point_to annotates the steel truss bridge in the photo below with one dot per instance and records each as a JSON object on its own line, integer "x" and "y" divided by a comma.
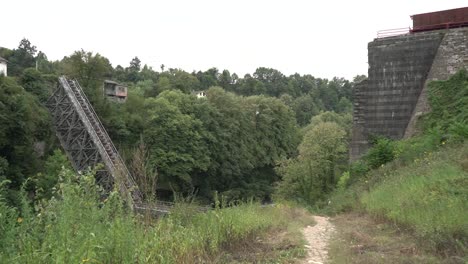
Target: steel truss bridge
{"x": 86, "y": 142}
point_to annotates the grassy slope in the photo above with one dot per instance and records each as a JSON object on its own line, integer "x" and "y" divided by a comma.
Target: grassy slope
{"x": 426, "y": 197}
{"x": 429, "y": 196}
{"x": 425, "y": 189}
{"x": 363, "y": 239}
{"x": 78, "y": 227}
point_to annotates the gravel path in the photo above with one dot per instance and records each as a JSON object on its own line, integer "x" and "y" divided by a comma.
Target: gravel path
{"x": 317, "y": 237}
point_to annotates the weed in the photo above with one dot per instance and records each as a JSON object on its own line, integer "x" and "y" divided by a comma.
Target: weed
{"x": 76, "y": 226}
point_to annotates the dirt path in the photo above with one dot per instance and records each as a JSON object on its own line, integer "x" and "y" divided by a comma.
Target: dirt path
{"x": 317, "y": 237}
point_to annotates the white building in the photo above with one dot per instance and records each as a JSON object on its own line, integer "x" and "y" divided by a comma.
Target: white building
{"x": 199, "y": 94}
{"x": 3, "y": 66}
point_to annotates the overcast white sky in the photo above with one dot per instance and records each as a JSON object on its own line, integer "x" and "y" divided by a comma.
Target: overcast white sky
{"x": 324, "y": 38}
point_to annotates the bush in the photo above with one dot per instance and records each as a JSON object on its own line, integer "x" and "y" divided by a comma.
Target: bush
{"x": 343, "y": 181}
{"x": 382, "y": 151}
{"x": 458, "y": 132}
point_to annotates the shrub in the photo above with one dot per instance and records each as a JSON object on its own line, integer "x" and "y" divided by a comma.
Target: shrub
{"x": 382, "y": 151}
{"x": 343, "y": 181}
{"x": 458, "y": 132}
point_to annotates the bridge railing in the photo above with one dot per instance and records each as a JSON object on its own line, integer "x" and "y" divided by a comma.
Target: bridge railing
{"x": 392, "y": 32}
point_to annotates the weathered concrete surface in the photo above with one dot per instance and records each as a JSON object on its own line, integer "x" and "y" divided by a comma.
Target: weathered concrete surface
{"x": 394, "y": 96}
{"x": 451, "y": 56}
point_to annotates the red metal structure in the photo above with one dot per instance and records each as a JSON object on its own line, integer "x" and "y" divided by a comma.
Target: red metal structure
{"x": 452, "y": 18}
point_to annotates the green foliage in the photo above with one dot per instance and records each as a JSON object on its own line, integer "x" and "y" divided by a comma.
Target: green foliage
{"x": 424, "y": 188}
{"x": 449, "y": 101}
{"x": 23, "y": 122}
{"x": 344, "y": 120}
{"x": 429, "y": 196}
{"x": 458, "y": 131}
{"x": 90, "y": 70}
{"x": 35, "y": 83}
{"x": 226, "y": 142}
{"x": 312, "y": 175}
{"x": 8, "y": 218}
{"x": 305, "y": 108}
{"x": 343, "y": 181}
{"x": 174, "y": 140}
{"x": 382, "y": 151}
{"x": 46, "y": 180}
{"x": 21, "y": 58}
{"x": 344, "y": 106}
{"x": 76, "y": 227}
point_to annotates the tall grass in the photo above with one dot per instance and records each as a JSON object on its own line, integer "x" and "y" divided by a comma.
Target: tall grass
{"x": 76, "y": 226}
{"x": 426, "y": 192}
{"x": 429, "y": 196}
{"x": 424, "y": 187}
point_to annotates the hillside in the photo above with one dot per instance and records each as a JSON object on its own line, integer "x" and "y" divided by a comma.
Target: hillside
{"x": 418, "y": 185}
{"x": 255, "y": 150}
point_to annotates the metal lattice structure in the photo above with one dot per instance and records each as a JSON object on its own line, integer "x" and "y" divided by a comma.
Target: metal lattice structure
{"x": 85, "y": 140}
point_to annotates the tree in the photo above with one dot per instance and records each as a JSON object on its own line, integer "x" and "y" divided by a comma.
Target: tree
{"x": 208, "y": 78}
{"x": 90, "y": 70}
{"x": 225, "y": 80}
{"x": 21, "y": 58}
{"x": 183, "y": 81}
{"x": 134, "y": 70}
{"x": 305, "y": 108}
{"x": 312, "y": 174}
{"x": 44, "y": 65}
{"x": 135, "y": 64}
{"x": 344, "y": 106}
{"x": 344, "y": 120}
{"x": 33, "y": 82}
{"x": 359, "y": 78}
{"x": 26, "y": 46}
{"x": 274, "y": 81}
{"x": 174, "y": 141}
{"x": 23, "y": 122}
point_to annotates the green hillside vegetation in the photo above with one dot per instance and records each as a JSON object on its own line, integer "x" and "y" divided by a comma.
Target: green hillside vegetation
{"x": 76, "y": 226}
{"x": 261, "y": 138}
{"x": 419, "y": 184}
{"x": 229, "y": 142}
{"x": 227, "y": 145}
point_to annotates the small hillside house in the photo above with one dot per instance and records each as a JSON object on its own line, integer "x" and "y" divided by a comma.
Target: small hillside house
{"x": 114, "y": 91}
{"x": 199, "y": 94}
{"x": 3, "y": 66}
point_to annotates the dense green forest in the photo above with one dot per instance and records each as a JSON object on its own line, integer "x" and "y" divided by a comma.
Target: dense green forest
{"x": 235, "y": 142}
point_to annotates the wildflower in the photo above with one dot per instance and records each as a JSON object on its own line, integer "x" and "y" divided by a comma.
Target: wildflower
{"x": 19, "y": 220}
{"x": 443, "y": 142}
{"x": 85, "y": 260}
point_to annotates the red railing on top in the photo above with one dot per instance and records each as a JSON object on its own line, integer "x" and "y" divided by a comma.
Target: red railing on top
{"x": 439, "y": 26}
